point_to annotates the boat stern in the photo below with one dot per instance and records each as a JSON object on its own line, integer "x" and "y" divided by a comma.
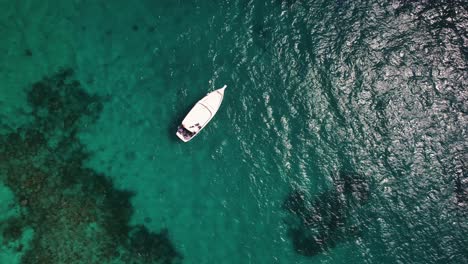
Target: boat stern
{"x": 179, "y": 135}
{"x": 184, "y": 134}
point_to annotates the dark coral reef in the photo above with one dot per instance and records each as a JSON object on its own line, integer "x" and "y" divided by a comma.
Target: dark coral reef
{"x": 317, "y": 224}
{"x": 76, "y": 213}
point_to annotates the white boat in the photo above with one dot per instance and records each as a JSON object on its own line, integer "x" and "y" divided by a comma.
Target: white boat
{"x": 200, "y": 115}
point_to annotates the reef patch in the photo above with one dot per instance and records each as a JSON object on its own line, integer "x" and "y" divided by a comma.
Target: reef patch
{"x": 77, "y": 214}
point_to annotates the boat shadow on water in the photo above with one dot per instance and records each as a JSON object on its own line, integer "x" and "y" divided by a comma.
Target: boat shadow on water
{"x": 318, "y": 224}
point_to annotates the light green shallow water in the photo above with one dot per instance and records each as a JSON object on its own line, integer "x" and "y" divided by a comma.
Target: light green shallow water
{"x": 341, "y": 138}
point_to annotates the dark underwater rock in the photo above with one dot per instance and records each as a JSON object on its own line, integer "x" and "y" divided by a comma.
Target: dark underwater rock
{"x": 317, "y": 224}
{"x": 28, "y": 53}
{"x": 77, "y": 214}
{"x": 152, "y": 247}
{"x": 11, "y": 229}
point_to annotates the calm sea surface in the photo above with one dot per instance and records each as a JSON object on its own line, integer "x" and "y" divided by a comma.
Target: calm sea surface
{"x": 342, "y": 137}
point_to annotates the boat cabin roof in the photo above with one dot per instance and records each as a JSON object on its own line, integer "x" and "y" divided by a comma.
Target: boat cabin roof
{"x": 197, "y": 118}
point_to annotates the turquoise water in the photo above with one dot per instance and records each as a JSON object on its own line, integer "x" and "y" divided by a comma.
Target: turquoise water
{"x": 341, "y": 138}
